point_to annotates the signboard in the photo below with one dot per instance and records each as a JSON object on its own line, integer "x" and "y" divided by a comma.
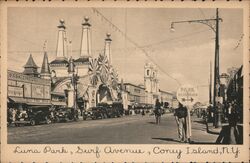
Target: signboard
{"x": 16, "y": 76}
{"x": 12, "y": 82}
{"x": 187, "y": 95}
{"x": 27, "y": 90}
{"x": 219, "y": 99}
{"x": 47, "y": 92}
{"x": 15, "y": 91}
{"x": 37, "y": 91}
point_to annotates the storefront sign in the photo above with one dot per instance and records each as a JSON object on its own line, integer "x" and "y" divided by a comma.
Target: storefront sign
{"x": 47, "y": 92}
{"x": 20, "y": 85}
{"x": 27, "y": 90}
{"x": 15, "y": 91}
{"x": 37, "y": 91}
{"x": 12, "y": 83}
{"x": 16, "y": 76}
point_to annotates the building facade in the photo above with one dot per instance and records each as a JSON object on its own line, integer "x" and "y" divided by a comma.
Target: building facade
{"x": 27, "y": 90}
{"x": 84, "y": 81}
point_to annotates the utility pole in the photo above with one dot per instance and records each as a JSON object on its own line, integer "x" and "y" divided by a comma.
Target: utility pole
{"x": 216, "y": 85}
{"x": 210, "y": 83}
{"x": 217, "y": 73}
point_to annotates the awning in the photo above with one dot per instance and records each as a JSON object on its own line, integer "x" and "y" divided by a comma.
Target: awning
{"x": 38, "y": 104}
{"x": 58, "y": 93}
{"x": 21, "y": 100}
{"x": 16, "y": 100}
{"x": 61, "y": 103}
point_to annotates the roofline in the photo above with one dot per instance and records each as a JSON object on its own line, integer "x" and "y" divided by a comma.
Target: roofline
{"x": 165, "y": 92}
{"x": 133, "y": 85}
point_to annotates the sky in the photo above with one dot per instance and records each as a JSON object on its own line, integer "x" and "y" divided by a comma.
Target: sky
{"x": 184, "y": 55}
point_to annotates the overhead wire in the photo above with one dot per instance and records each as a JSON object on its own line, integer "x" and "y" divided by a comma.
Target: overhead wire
{"x": 135, "y": 44}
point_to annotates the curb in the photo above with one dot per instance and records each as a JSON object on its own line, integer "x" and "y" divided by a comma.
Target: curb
{"x": 212, "y": 130}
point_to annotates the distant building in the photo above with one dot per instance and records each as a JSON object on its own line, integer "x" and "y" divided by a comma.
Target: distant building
{"x": 166, "y": 98}
{"x": 151, "y": 83}
{"x": 135, "y": 95}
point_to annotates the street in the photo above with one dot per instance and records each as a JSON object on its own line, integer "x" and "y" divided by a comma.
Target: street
{"x": 135, "y": 129}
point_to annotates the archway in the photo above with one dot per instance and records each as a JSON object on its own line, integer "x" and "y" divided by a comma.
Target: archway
{"x": 103, "y": 95}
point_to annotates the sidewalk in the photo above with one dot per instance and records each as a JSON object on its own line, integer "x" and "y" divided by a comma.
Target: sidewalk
{"x": 200, "y": 134}
{"x": 211, "y": 129}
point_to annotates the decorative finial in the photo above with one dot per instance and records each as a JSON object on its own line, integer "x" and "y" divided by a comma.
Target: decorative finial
{"x": 85, "y": 22}
{"x": 108, "y": 35}
{"x": 86, "y": 18}
{"x": 61, "y": 21}
{"x": 61, "y": 25}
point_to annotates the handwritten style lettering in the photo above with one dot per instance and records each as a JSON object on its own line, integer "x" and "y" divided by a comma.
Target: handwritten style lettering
{"x": 49, "y": 149}
{"x": 111, "y": 150}
{"x": 18, "y": 149}
{"x": 95, "y": 151}
{"x": 158, "y": 150}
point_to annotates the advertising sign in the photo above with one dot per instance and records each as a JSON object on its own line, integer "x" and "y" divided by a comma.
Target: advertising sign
{"x": 187, "y": 95}
{"x": 47, "y": 92}
{"x": 37, "y": 91}
{"x": 15, "y": 91}
{"x": 27, "y": 90}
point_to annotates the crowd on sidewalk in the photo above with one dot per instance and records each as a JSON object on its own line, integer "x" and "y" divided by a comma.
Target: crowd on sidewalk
{"x": 230, "y": 131}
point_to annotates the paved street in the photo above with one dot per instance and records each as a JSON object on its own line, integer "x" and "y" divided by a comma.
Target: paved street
{"x": 125, "y": 130}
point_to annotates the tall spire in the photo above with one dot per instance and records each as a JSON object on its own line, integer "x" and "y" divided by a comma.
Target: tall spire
{"x": 45, "y": 69}
{"x": 61, "y": 51}
{"x": 30, "y": 68}
{"x": 107, "y": 50}
{"x": 85, "y": 50}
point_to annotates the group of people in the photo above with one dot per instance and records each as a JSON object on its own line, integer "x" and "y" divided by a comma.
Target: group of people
{"x": 230, "y": 134}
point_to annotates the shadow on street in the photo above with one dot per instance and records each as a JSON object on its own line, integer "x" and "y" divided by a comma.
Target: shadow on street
{"x": 151, "y": 122}
{"x": 167, "y": 139}
{"x": 193, "y": 142}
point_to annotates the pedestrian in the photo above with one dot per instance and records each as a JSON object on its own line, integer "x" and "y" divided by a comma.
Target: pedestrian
{"x": 230, "y": 134}
{"x": 157, "y": 111}
{"x": 143, "y": 112}
{"x": 9, "y": 116}
{"x": 181, "y": 120}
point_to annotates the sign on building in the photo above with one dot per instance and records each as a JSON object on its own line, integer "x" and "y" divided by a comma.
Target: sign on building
{"x": 30, "y": 89}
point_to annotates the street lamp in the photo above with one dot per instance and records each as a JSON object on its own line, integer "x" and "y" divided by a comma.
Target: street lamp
{"x": 74, "y": 81}
{"x": 172, "y": 27}
{"x": 215, "y": 28}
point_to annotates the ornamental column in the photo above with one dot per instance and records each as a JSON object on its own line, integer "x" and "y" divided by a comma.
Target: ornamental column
{"x": 107, "y": 50}
{"x": 61, "y": 51}
{"x": 85, "y": 49}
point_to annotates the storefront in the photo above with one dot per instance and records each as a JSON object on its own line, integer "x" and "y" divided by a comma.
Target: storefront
{"x": 27, "y": 92}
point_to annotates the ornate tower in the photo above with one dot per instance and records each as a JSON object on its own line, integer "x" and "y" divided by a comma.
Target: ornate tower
{"x": 157, "y": 81}
{"x": 45, "y": 69}
{"x": 107, "y": 50}
{"x": 147, "y": 77}
{"x": 61, "y": 51}
{"x": 59, "y": 65}
{"x": 85, "y": 50}
{"x": 30, "y": 68}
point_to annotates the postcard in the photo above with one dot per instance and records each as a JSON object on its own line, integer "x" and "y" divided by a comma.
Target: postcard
{"x": 124, "y": 81}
